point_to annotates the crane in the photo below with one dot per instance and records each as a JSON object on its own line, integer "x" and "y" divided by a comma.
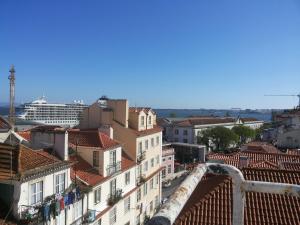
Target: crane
{"x": 298, "y": 95}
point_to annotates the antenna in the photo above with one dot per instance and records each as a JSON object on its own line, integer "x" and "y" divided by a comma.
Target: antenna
{"x": 298, "y": 95}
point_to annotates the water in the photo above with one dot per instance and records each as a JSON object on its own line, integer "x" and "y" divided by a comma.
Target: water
{"x": 264, "y": 116}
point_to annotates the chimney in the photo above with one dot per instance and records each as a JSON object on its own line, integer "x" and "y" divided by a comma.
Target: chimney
{"x": 61, "y": 144}
{"x": 244, "y": 161}
{"x": 108, "y": 130}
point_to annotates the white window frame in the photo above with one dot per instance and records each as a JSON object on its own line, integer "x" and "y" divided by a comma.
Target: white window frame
{"x": 96, "y": 155}
{"x": 146, "y": 144}
{"x": 97, "y": 196}
{"x": 60, "y": 184}
{"x": 127, "y": 205}
{"x": 113, "y": 216}
{"x": 127, "y": 178}
{"x": 37, "y": 195}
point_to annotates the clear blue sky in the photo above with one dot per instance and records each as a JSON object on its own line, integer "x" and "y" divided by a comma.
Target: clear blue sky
{"x": 159, "y": 53}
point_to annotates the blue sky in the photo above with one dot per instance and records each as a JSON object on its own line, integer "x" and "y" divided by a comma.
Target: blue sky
{"x": 159, "y": 53}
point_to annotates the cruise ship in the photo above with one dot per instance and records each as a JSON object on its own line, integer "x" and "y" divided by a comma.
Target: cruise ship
{"x": 42, "y": 112}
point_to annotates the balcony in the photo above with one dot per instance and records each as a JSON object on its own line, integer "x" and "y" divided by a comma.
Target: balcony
{"x": 114, "y": 197}
{"x": 140, "y": 180}
{"x": 141, "y": 156}
{"x": 113, "y": 168}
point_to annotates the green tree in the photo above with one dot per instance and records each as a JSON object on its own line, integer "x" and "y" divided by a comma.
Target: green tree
{"x": 244, "y": 133}
{"x": 223, "y": 137}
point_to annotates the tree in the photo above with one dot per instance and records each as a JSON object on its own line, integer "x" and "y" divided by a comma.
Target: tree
{"x": 221, "y": 137}
{"x": 244, "y": 133}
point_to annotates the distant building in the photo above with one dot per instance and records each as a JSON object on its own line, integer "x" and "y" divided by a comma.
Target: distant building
{"x": 168, "y": 158}
{"x": 187, "y": 130}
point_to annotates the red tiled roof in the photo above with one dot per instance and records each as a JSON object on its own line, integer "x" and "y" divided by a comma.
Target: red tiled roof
{"x": 25, "y": 134}
{"x": 204, "y": 121}
{"x": 89, "y": 175}
{"x": 261, "y": 147}
{"x": 254, "y": 158}
{"x": 4, "y": 125}
{"x": 290, "y": 166}
{"x": 24, "y": 160}
{"x": 211, "y": 201}
{"x": 141, "y": 133}
{"x": 293, "y": 152}
{"x": 264, "y": 164}
{"x": 91, "y": 138}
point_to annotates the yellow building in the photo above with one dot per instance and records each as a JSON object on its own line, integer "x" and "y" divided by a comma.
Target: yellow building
{"x": 136, "y": 129}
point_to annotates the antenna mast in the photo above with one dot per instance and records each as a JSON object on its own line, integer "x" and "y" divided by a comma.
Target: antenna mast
{"x": 11, "y": 78}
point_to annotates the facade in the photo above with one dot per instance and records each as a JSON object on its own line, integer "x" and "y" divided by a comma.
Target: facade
{"x": 35, "y": 181}
{"x": 141, "y": 139}
{"x": 41, "y": 112}
{"x": 168, "y": 158}
{"x": 186, "y": 130}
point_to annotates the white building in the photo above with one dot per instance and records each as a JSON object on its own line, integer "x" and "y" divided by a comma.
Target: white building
{"x": 186, "y": 130}
{"x": 33, "y": 182}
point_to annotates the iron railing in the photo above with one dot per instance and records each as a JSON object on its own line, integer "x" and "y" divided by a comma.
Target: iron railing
{"x": 113, "y": 168}
{"x": 141, "y": 156}
{"x": 113, "y": 198}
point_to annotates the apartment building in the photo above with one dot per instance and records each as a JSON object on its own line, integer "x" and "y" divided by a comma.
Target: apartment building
{"x": 141, "y": 139}
{"x": 168, "y": 158}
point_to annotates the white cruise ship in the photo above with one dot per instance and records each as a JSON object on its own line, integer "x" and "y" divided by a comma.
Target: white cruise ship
{"x": 66, "y": 115}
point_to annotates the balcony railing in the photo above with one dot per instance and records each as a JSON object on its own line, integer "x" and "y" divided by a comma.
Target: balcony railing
{"x": 113, "y": 168}
{"x": 141, "y": 156}
{"x": 113, "y": 198}
{"x": 140, "y": 180}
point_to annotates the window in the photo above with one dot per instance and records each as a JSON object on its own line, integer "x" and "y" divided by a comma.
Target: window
{"x": 163, "y": 173}
{"x": 157, "y": 178}
{"x": 170, "y": 158}
{"x": 185, "y": 132}
{"x": 145, "y": 188}
{"x": 127, "y": 178}
{"x": 95, "y": 159}
{"x": 146, "y": 166}
{"x": 112, "y": 157}
{"x": 36, "y": 192}
{"x": 113, "y": 216}
{"x": 152, "y": 162}
{"x": 151, "y": 206}
{"x": 113, "y": 186}
{"x": 164, "y": 159}
{"x": 146, "y": 144}
{"x": 175, "y": 139}
{"x": 77, "y": 210}
{"x": 157, "y": 159}
{"x": 151, "y": 184}
{"x": 142, "y": 120}
{"x": 157, "y": 140}
{"x": 169, "y": 168}
{"x": 138, "y": 195}
{"x": 97, "y": 195}
{"x": 150, "y": 120}
{"x": 185, "y": 140}
{"x": 60, "y": 183}
{"x": 152, "y": 142}
{"x": 60, "y": 219}
{"x": 176, "y": 131}
{"x": 156, "y": 201}
{"x": 127, "y": 205}
{"x": 140, "y": 147}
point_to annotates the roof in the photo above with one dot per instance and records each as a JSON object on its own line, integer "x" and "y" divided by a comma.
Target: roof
{"x": 46, "y": 128}
{"x": 4, "y": 124}
{"x": 19, "y": 161}
{"x": 211, "y": 201}
{"x": 91, "y": 138}
{"x": 146, "y": 132}
{"x": 26, "y": 134}
{"x": 89, "y": 175}
{"x": 245, "y": 120}
{"x": 256, "y": 159}
{"x": 194, "y": 121}
{"x": 139, "y": 109}
{"x": 261, "y": 147}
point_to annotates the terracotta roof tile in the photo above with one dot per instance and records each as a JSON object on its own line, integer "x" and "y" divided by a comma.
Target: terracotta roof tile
{"x": 211, "y": 201}
{"x": 154, "y": 130}
{"x": 25, "y": 134}
{"x": 261, "y": 147}
{"x": 91, "y": 138}
{"x": 139, "y": 109}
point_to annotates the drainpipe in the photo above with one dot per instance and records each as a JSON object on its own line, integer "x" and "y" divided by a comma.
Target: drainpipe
{"x": 172, "y": 208}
